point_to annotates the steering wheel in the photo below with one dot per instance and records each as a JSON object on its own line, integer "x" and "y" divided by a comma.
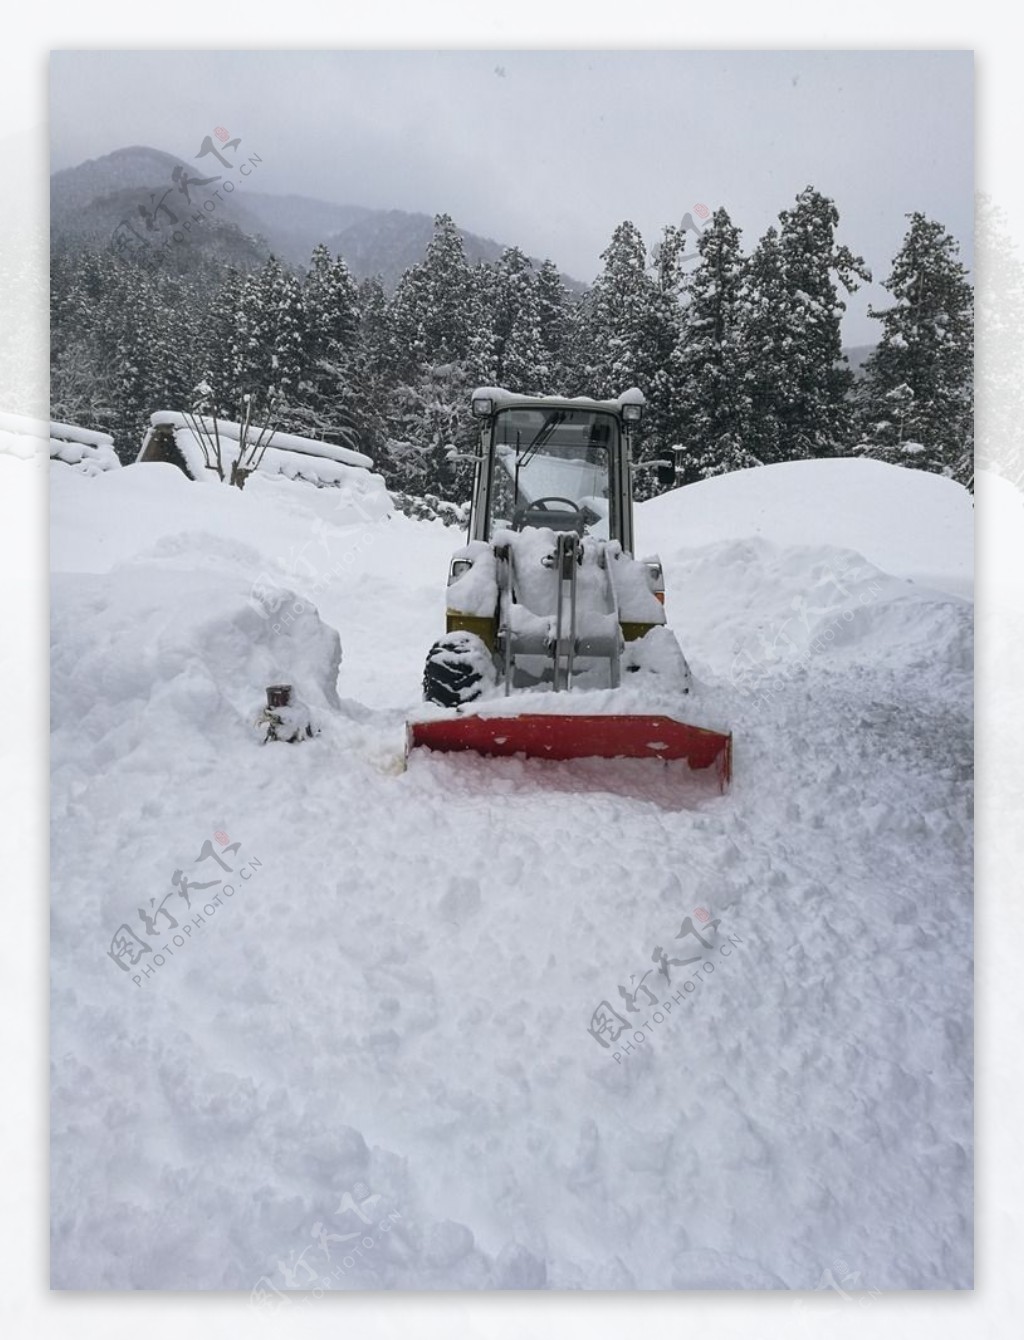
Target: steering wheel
{"x": 533, "y": 512}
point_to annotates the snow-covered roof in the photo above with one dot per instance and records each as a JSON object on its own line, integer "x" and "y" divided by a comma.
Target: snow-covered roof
{"x": 279, "y": 441}
{"x": 287, "y": 454}
{"x": 89, "y": 451}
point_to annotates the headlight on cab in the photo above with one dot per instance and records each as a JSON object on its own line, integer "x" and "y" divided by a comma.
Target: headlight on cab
{"x": 459, "y": 566}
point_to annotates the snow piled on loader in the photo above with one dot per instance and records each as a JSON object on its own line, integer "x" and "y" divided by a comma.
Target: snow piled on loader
{"x": 378, "y": 1060}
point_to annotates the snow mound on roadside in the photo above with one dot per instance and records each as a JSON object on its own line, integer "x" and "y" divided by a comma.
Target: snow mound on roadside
{"x": 284, "y": 526}
{"x": 744, "y": 607}
{"x": 909, "y": 523}
{"x": 143, "y": 657}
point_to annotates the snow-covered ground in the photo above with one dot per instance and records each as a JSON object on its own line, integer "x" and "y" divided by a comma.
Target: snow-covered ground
{"x": 373, "y": 1062}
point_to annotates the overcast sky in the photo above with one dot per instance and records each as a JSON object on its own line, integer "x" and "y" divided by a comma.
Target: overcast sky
{"x": 550, "y": 150}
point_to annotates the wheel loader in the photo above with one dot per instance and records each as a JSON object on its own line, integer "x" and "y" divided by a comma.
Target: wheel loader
{"x": 556, "y": 640}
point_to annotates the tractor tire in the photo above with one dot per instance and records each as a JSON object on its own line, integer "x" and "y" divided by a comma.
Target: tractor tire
{"x": 459, "y": 668}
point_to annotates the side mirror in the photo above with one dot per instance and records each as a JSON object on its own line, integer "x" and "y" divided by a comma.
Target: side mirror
{"x": 666, "y": 474}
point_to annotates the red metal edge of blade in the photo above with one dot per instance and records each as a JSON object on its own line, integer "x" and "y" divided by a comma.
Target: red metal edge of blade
{"x": 551, "y": 736}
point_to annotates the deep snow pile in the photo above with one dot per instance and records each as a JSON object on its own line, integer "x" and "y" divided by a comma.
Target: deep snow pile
{"x": 379, "y": 1060}
{"x": 910, "y": 523}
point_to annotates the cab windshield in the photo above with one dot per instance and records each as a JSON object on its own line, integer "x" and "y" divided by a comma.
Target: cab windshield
{"x": 552, "y": 467}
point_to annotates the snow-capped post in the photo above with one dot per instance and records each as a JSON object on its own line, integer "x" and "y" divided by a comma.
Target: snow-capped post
{"x": 285, "y": 719}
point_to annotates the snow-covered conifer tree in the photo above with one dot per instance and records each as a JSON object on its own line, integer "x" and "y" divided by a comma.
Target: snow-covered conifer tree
{"x": 918, "y": 389}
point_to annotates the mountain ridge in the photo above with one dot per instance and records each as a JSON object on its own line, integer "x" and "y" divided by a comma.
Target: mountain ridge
{"x": 88, "y": 202}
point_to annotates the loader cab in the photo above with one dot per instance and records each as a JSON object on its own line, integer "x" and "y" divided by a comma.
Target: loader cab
{"x": 559, "y": 465}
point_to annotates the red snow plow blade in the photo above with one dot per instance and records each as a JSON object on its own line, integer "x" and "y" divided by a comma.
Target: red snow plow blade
{"x": 562, "y": 737}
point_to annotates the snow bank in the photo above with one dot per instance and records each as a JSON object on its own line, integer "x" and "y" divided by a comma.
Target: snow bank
{"x": 139, "y": 504}
{"x": 751, "y": 609}
{"x": 173, "y": 657}
{"x": 388, "y": 1034}
{"x": 336, "y": 548}
{"x": 909, "y": 523}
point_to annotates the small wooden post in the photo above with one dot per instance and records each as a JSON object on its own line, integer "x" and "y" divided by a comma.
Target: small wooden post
{"x": 279, "y": 695}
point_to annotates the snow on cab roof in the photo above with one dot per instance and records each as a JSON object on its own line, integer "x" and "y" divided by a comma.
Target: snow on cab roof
{"x": 505, "y": 399}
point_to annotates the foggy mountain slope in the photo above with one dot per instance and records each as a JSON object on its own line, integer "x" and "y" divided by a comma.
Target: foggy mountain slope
{"x": 389, "y": 242}
{"x": 87, "y": 202}
{"x": 296, "y": 223}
